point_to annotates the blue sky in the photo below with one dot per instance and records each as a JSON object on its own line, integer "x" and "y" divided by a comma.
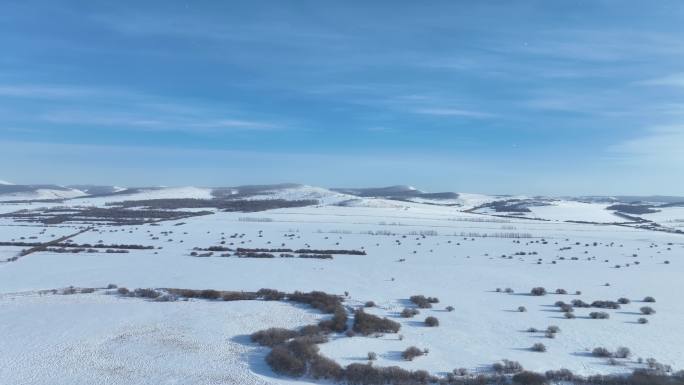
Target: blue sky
{"x": 534, "y": 97}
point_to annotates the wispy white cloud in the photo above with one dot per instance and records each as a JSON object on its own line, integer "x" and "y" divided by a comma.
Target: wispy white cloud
{"x": 42, "y": 91}
{"x": 672, "y": 80}
{"x": 455, "y": 112}
{"x": 123, "y": 108}
{"x": 661, "y": 146}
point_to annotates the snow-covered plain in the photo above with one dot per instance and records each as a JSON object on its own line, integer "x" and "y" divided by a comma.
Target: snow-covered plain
{"x": 458, "y": 258}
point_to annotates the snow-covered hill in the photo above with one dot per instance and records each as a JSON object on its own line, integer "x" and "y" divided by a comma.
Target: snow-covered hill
{"x": 465, "y": 257}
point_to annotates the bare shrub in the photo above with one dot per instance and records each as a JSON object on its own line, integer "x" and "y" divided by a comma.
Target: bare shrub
{"x": 272, "y": 336}
{"x": 539, "y": 347}
{"x": 605, "y": 304}
{"x": 283, "y": 361}
{"x": 372, "y": 356}
{"x": 642, "y": 321}
{"x": 599, "y": 315}
{"x": 560, "y": 375}
{"x": 423, "y": 302}
{"x": 366, "y": 324}
{"x": 538, "y": 291}
{"x": 410, "y": 353}
{"x": 146, "y": 293}
{"x": 623, "y": 301}
{"x": 431, "y": 321}
{"x": 647, "y": 310}
{"x": 529, "y": 378}
{"x": 310, "y": 330}
{"x": 649, "y": 299}
{"x": 450, "y": 308}
{"x": 507, "y": 367}
{"x": 325, "y": 368}
{"x": 270, "y": 295}
{"x": 601, "y": 352}
{"x": 622, "y": 352}
{"x": 409, "y": 312}
{"x": 522, "y": 309}
{"x": 209, "y": 294}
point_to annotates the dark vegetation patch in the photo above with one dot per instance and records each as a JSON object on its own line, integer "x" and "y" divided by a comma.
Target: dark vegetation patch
{"x": 367, "y": 324}
{"x": 423, "y": 302}
{"x": 231, "y": 205}
{"x": 110, "y": 216}
{"x": 633, "y": 209}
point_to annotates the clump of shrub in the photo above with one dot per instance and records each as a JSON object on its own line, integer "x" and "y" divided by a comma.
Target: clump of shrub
{"x": 647, "y": 310}
{"x": 450, "y": 308}
{"x": 538, "y": 291}
{"x": 529, "y": 378}
{"x": 649, "y": 299}
{"x": 601, "y": 352}
{"x": 507, "y": 367}
{"x": 622, "y": 352}
{"x": 123, "y": 291}
{"x": 561, "y": 291}
{"x": 283, "y": 361}
{"x": 146, "y": 293}
{"x": 409, "y": 312}
{"x": 599, "y": 315}
{"x": 605, "y": 304}
{"x": 366, "y": 324}
{"x": 569, "y": 315}
{"x": 539, "y": 347}
{"x": 423, "y": 302}
{"x": 642, "y": 321}
{"x": 431, "y": 321}
{"x": 325, "y": 368}
{"x": 623, "y": 301}
{"x": 579, "y": 303}
{"x": 209, "y": 294}
{"x": 411, "y": 352}
{"x": 270, "y": 294}
{"x": 522, "y": 309}
{"x": 369, "y": 304}
{"x": 273, "y": 336}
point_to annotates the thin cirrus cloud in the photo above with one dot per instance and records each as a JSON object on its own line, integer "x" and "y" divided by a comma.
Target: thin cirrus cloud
{"x": 661, "y": 145}
{"x": 454, "y": 112}
{"x": 108, "y": 107}
{"x": 672, "y": 80}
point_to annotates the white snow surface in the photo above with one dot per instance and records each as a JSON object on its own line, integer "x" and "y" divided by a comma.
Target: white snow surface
{"x": 100, "y": 338}
{"x": 40, "y": 194}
